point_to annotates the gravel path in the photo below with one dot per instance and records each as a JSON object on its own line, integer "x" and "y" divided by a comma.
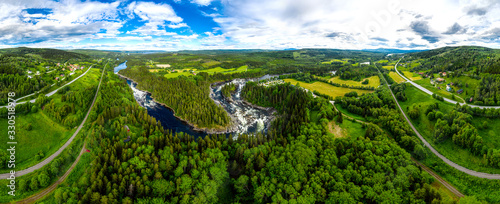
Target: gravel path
{"x": 51, "y": 157}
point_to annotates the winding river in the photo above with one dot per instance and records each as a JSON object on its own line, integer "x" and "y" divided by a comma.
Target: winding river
{"x": 246, "y": 118}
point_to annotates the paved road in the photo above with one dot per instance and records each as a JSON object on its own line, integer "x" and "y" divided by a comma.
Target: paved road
{"x": 447, "y": 161}
{"x": 425, "y": 168}
{"x": 51, "y": 157}
{"x": 51, "y": 93}
{"x": 430, "y": 92}
{"x": 53, "y": 187}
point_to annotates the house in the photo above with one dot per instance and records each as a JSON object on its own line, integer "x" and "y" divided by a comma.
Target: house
{"x": 470, "y": 99}
{"x": 37, "y": 72}
{"x": 444, "y": 73}
{"x": 57, "y": 78}
{"x": 29, "y": 76}
{"x": 460, "y": 91}
{"x": 47, "y": 67}
{"x": 62, "y": 75}
{"x": 29, "y": 72}
{"x": 421, "y": 73}
{"x": 448, "y": 87}
{"x": 365, "y": 63}
{"x": 440, "y": 80}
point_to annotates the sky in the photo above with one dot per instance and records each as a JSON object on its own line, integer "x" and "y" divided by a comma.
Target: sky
{"x": 249, "y": 24}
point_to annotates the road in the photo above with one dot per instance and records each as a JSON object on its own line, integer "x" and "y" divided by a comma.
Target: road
{"x": 51, "y": 157}
{"x": 425, "y": 168}
{"x": 430, "y": 92}
{"x": 51, "y": 93}
{"x": 434, "y": 151}
{"x": 53, "y": 187}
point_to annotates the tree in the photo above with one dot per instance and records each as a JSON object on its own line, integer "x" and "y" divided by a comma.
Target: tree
{"x": 43, "y": 180}
{"x": 34, "y": 183}
{"x": 340, "y": 118}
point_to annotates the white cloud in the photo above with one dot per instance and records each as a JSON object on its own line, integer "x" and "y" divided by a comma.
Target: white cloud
{"x": 202, "y": 2}
{"x": 352, "y": 24}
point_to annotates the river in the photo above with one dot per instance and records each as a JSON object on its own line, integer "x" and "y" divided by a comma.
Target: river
{"x": 246, "y": 118}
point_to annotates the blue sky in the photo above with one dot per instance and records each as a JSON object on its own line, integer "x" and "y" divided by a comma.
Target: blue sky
{"x": 248, "y": 24}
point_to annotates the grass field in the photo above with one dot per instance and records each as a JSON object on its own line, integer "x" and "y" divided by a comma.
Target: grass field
{"x": 395, "y": 76}
{"x": 426, "y": 83}
{"x": 347, "y": 128}
{"x": 187, "y": 71}
{"x": 410, "y": 75}
{"x": 343, "y": 61}
{"x": 447, "y": 148}
{"x": 388, "y": 67}
{"x": 46, "y": 136}
{"x": 374, "y": 81}
{"x": 325, "y": 88}
{"x": 210, "y": 63}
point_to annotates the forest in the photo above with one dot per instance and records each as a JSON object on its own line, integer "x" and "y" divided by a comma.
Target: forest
{"x": 308, "y": 166}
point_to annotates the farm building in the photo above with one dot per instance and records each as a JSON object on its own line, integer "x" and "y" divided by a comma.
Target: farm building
{"x": 460, "y": 91}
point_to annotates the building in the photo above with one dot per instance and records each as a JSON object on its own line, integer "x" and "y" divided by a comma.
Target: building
{"x": 460, "y": 91}
{"x": 440, "y": 80}
{"x": 444, "y": 74}
{"x": 365, "y": 63}
{"x": 448, "y": 87}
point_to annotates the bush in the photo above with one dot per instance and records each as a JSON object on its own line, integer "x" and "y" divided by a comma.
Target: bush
{"x": 366, "y": 81}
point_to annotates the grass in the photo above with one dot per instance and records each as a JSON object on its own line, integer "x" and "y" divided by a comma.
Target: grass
{"x": 374, "y": 81}
{"x": 410, "y": 75}
{"x": 352, "y": 129}
{"x": 447, "y": 148}
{"x": 187, "y": 71}
{"x": 327, "y": 89}
{"x": 395, "y": 76}
{"x": 490, "y": 134}
{"x": 46, "y": 135}
{"x": 388, "y": 67}
{"x": 426, "y": 83}
{"x": 210, "y": 63}
{"x": 343, "y": 61}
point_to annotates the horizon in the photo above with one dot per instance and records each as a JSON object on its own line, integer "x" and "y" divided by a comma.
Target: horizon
{"x": 177, "y": 25}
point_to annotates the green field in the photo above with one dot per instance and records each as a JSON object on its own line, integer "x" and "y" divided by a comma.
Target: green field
{"x": 325, "y": 88}
{"x": 46, "y": 135}
{"x": 395, "y": 76}
{"x": 447, "y": 148}
{"x": 388, "y": 67}
{"x": 343, "y": 61}
{"x": 426, "y": 83}
{"x": 410, "y": 75}
{"x": 374, "y": 81}
{"x": 187, "y": 71}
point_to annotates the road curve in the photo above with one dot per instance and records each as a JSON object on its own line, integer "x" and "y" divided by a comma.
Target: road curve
{"x": 51, "y": 93}
{"x": 434, "y": 151}
{"x": 427, "y": 91}
{"x": 51, "y": 157}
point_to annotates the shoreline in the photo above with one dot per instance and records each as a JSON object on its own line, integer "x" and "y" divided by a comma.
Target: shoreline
{"x": 195, "y": 128}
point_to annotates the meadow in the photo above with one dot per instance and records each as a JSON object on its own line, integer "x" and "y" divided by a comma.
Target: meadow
{"x": 395, "y": 76}
{"x": 374, "y": 81}
{"x": 410, "y": 75}
{"x": 447, "y": 148}
{"x": 187, "y": 71}
{"x": 441, "y": 91}
{"x": 45, "y": 135}
{"x": 325, "y": 88}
